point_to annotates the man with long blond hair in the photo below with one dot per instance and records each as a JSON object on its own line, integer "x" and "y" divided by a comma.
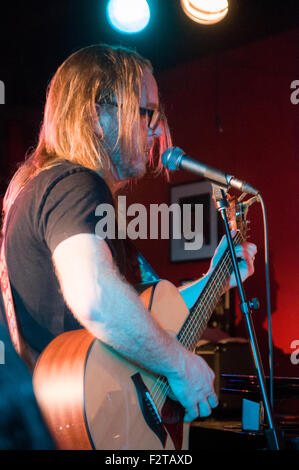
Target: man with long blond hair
{"x": 102, "y": 120}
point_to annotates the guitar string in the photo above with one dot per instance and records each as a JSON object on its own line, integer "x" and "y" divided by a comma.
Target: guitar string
{"x": 222, "y": 265}
{"x": 198, "y": 321}
{"x": 222, "y": 261}
{"x": 217, "y": 281}
{"x": 208, "y": 290}
{"x": 162, "y": 380}
{"x": 190, "y": 328}
{"x": 165, "y": 386}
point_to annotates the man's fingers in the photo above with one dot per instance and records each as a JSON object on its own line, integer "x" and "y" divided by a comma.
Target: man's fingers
{"x": 204, "y": 408}
{"x": 191, "y": 414}
{"x": 246, "y": 250}
{"x": 213, "y": 400}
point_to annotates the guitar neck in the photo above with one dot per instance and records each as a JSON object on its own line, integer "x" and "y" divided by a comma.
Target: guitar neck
{"x": 197, "y": 320}
{"x": 199, "y": 315}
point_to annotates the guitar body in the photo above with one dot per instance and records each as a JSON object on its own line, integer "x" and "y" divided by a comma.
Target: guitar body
{"x": 92, "y": 398}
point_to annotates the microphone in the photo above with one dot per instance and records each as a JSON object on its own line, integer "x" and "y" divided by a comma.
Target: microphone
{"x": 175, "y": 159}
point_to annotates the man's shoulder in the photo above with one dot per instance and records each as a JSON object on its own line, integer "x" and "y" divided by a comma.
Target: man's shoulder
{"x": 53, "y": 184}
{"x": 64, "y": 176}
{"x": 64, "y": 169}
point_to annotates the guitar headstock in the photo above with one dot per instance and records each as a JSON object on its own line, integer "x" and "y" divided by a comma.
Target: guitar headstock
{"x": 237, "y": 214}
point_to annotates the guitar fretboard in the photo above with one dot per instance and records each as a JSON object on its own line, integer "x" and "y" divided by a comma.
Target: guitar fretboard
{"x": 197, "y": 320}
{"x": 200, "y": 314}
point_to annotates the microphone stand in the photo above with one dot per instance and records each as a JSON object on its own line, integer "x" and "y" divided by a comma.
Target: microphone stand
{"x": 273, "y": 436}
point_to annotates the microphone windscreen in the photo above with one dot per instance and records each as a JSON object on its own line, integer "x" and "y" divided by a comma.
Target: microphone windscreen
{"x": 171, "y": 158}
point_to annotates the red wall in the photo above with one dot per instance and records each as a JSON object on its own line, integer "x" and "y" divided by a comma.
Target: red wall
{"x": 249, "y": 90}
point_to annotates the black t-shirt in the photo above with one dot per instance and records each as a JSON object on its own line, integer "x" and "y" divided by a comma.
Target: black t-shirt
{"x": 56, "y": 204}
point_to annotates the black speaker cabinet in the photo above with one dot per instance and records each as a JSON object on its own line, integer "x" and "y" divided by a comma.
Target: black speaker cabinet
{"x": 232, "y": 356}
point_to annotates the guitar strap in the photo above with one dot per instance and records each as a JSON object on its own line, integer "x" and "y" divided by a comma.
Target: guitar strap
{"x": 147, "y": 272}
{"x": 16, "y": 337}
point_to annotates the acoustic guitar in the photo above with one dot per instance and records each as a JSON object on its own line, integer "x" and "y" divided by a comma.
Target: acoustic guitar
{"x": 92, "y": 398}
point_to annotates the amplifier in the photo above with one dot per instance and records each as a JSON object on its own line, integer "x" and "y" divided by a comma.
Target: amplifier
{"x": 230, "y": 356}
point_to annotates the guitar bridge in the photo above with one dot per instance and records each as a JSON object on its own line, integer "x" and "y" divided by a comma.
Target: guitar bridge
{"x": 148, "y": 408}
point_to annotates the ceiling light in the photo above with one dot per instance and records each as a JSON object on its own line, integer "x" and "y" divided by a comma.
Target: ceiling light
{"x": 205, "y": 11}
{"x": 128, "y": 16}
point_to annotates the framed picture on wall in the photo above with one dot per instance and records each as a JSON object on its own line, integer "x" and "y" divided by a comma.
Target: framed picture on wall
{"x": 197, "y": 224}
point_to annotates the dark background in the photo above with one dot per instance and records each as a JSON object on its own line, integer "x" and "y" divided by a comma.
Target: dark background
{"x": 37, "y": 36}
{"x": 226, "y": 89}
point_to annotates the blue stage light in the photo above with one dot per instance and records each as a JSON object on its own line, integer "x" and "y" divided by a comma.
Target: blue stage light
{"x": 128, "y": 16}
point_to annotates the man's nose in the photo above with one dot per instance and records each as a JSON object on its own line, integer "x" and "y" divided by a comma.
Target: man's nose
{"x": 156, "y": 132}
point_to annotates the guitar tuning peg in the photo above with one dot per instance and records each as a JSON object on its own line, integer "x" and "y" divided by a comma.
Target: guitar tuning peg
{"x": 254, "y": 303}
{"x": 240, "y": 198}
{"x": 250, "y": 201}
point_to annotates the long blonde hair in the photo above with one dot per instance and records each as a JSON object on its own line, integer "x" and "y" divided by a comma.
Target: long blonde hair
{"x": 70, "y": 115}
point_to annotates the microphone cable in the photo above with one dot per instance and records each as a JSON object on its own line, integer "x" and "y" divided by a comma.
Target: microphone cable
{"x": 270, "y": 341}
{"x": 259, "y": 199}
